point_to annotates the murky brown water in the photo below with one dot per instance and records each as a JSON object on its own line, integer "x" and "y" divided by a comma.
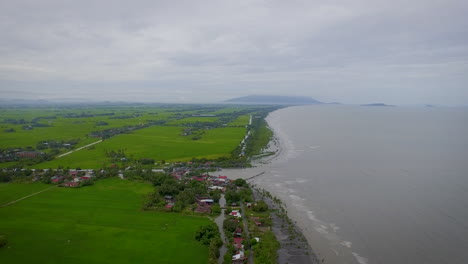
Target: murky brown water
{"x": 373, "y": 184}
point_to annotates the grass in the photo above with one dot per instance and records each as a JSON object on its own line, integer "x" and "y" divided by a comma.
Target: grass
{"x": 96, "y": 224}
{"x": 13, "y": 191}
{"x": 163, "y": 142}
{"x": 159, "y": 143}
{"x": 190, "y": 120}
{"x": 242, "y": 120}
{"x": 261, "y": 136}
{"x": 63, "y": 128}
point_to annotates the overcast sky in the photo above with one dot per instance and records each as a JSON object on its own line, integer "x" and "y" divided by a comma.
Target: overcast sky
{"x": 351, "y": 51}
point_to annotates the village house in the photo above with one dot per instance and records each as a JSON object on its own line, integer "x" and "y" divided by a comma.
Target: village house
{"x": 235, "y": 213}
{"x": 237, "y": 232}
{"x": 56, "y": 179}
{"x": 29, "y": 154}
{"x": 237, "y": 241}
{"x": 217, "y": 188}
{"x": 71, "y": 184}
{"x": 203, "y": 208}
{"x": 168, "y": 198}
{"x": 238, "y": 257}
{"x": 256, "y": 220}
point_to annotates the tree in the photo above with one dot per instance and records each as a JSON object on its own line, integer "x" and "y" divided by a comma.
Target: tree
{"x": 153, "y": 200}
{"x": 3, "y": 241}
{"x": 260, "y": 206}
{"x": 216, "y": 195}
{"x": 215, "y": 209}
{"x": 232, "y": 196}
{"x": 168, "y": 189}
{"x": 267, "y": 250}
{"x": 230, "y": 225}
{"x": 186, "y": 197}
{"x": 206, "y": 233}
{"x": 241, "y": 183}
{"x": 246, "y": 195}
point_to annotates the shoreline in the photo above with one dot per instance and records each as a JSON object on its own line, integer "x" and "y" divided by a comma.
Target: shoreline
{"x": 294, "y": 247}
{"x": 296, "y": 250}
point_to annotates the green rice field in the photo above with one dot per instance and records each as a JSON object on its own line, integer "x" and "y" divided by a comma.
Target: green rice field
{"x": 102, "y": 223}
{"x": 159, "y": 132}
{"x": 158, "y": 142}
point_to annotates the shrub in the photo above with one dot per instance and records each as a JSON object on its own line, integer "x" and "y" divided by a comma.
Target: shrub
{"x": 206, "y": 233}
{"x": 260, "y": 206}
{"x": 216, "y": 209}
{"x": 3, "y": 241}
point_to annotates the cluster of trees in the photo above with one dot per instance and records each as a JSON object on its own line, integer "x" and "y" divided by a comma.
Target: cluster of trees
{"x": 107, "y": 133}
{"x": 267, "y": 250}
{"x": 26, "y": 161}
{"x": 15, "y": 121}
{"x": 260, "y": 206}
{"x": 56, "y": 144}
{"x": 83, "y": 115}
{"x": 184, "y": 192}
{"x": 237, "y": 191}
{"x": 102, "y": 123}
{"x": 3, "y": 241}
{"x": 209, "y": 236}
{"x": 8, "y": 175}
{"x": 116, "y": 155}
{"x": 125, "y": 116}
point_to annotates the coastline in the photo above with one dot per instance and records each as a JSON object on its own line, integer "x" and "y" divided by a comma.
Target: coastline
{"x": 294, "y": 247}
{"x": 266, "y": 174}
{"x": 295, "y": 243}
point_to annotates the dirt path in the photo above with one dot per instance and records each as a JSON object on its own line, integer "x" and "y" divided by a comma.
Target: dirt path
{"x": 4, "y": 205}
{"x": 80, "y": 148}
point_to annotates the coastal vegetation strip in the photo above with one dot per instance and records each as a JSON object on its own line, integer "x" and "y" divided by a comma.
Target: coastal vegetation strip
{"x": 260, "y": 137}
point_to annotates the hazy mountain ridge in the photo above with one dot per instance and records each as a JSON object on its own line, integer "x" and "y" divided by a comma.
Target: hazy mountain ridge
{"x": 273, "y": 99}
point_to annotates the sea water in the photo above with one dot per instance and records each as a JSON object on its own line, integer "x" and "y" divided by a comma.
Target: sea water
{"x": 373, "y": 184}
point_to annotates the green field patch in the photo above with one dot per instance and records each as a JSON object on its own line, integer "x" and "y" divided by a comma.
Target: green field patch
{"x": 13, "y": 191}
{"x": 242, "y": 120}
{"x": 159, "y": 143}
{"x": 98, "y": 224}
{"x": 190, "y": 120}
{"x": 67, "y": 128}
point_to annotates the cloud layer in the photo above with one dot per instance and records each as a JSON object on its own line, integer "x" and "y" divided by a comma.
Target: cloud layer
{"x": 400, "y": 52}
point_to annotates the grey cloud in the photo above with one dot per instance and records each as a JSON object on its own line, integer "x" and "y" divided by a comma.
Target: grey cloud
{"x": 352, "y": 51}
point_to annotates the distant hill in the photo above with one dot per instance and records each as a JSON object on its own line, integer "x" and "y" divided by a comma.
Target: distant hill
{"x": 273, "y": 99}
{"x": 376, "y": 104}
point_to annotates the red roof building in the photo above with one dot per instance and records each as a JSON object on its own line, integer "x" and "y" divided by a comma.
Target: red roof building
{"x": 197, "y": 178}
{"x": 238, "y": 242}
{"x": 71, "y": 184}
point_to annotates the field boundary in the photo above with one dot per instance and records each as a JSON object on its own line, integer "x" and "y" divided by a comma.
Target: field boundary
{"x": 27, "y": 196}
{"x": 80, "y": 148}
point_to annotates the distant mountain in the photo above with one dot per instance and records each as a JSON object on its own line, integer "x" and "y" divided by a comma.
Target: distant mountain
{"x": 273, "y": 99}
{"x": 376, "y": 104}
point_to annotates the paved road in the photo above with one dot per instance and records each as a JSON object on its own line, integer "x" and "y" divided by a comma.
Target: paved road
{"x": 246, "y": 228}
{"x": 219, "y": 221}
